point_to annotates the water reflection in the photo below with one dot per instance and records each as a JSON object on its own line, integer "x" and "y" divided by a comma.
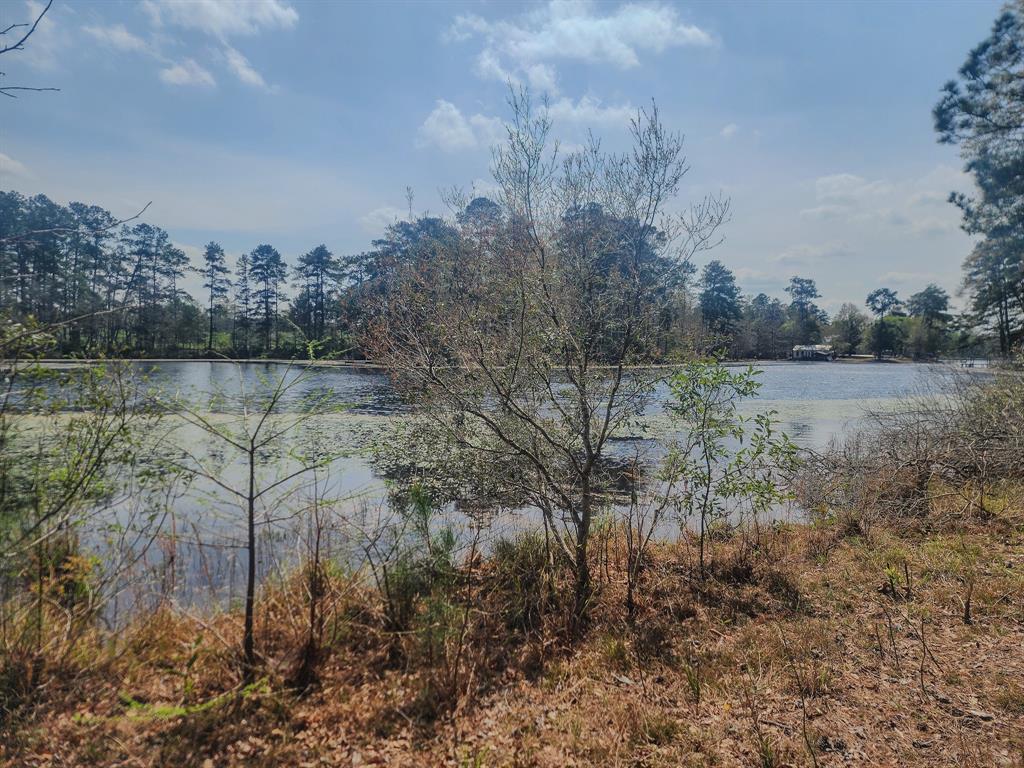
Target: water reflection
{"x": 363, "y": 391}
{"x": 201, "y": 553}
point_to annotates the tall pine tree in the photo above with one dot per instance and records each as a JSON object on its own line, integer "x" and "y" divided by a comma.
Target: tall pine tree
{"x": 317, "y": 274}
{"x": 243, "y": 305}
{"x": 267, "y": 272}
{"x": 215, "y": 280}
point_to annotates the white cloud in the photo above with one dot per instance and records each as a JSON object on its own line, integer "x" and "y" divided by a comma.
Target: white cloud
{"x": 187, "y": 72}
{"x": 847, "y": 188}
{"x": 751, "y": 277}
{"x": 519, "y": 50}
{"x": 242, "y": 69}
{"x": 809, "y": 255}
{"x": 729, "y": 130}
{"x": 47, "y": 41}
{"x": 929, "y": 198}
{"x": 118, "y": 37}
{"x": 914, "y": 205}
{"x": 223, "y": 18}
{"x": 913, "y": 280}
{"x": 543, "y": 78}
{"x": 10, "y": 167}
{"x": 576, "y": 29}
{"x": 589, "y": 110}
{"x": 489, "y": 67}
{"x": 488, "y": 130}
{"x": 378, "y": 219}
{"x": 449, "y": 130}
{"x": 446, "y": 128}
{"x": 824, "y": 212}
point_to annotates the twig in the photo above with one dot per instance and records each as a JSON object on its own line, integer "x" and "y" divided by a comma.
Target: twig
{"x": 803, "y": 702}
{"x": 18, "y": 45}
{"x": 80, "y": 230}
{"x": 6, "y": 90}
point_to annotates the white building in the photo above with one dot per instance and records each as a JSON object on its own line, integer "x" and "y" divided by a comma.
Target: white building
{"x": 814, "y": 352}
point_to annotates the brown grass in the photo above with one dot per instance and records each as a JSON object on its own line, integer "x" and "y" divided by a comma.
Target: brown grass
{"x": 806, "y": 646}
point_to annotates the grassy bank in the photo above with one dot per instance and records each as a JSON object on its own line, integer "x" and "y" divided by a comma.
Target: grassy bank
{"x": 822, "y": 644}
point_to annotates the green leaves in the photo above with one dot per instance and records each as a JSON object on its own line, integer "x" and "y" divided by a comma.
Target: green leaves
{"x": 63, "y": 449}
{"x": 723, "y": 461}
{"x": 982, "y": 112}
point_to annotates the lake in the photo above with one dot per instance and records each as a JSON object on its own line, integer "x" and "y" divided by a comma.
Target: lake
{"x": 202, "y": 532}
{"x": 815, "y": 401}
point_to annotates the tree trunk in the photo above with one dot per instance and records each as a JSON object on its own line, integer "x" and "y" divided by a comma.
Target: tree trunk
{"x": 584, "y": 588}
{"x": 209, "y": 338}
{"x": 248, "y": 642}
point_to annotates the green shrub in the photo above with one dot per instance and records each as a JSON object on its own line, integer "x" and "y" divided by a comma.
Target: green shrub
{"x": 522, "y": 572}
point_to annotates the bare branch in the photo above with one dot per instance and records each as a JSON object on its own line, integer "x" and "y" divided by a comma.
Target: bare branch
{"x": 21, "y": 42}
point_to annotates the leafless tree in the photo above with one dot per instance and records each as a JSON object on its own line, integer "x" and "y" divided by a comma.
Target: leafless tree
{"x": 526, "y": 337}
{"x": 248, "y": 438}
{"x": 19, "y": 35}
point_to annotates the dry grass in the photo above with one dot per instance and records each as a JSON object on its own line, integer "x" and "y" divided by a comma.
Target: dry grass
{"x": 806, "y": 646}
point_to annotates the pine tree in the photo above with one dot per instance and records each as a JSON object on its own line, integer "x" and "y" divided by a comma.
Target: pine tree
{"x": 215, "y": 280}
{"x": 981, "y": 111}
{"x": 243, "y": 302}
{"x": 267, "y": 272}
{"x": 806, "y": 317}
{"x": 719, "y": 298}
{"x": 316, "y": 273}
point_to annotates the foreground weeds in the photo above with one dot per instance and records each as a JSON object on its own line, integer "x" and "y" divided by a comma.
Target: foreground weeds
{"x": 805, "y": 645}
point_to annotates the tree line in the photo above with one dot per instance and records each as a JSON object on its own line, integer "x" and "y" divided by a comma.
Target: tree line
{"x": 124, "y": 282}
{"x": 764, "y": 327}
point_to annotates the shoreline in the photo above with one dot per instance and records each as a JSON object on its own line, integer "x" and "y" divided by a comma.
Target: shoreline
{"x": 371, "y": 365}
{"x": 52, "y": 361}
{"x": 827, "y": 656}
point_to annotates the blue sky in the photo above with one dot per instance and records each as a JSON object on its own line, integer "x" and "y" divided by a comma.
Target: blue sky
{"x": 296, "y": 123}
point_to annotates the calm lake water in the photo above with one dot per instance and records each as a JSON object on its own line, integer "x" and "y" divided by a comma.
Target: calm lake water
{"x": 814, "y": 401}
{"x": 842, "y": 386}
{"x": 203, "y": 529}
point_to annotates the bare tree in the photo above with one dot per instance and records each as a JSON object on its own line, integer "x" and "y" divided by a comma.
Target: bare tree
{"x": 523, "y": 337}
{"x": 20, "y": 33}
{"x": 249, "y": 438}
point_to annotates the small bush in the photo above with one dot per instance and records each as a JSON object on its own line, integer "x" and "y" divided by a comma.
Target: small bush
{"x": 783, "y": 586}
{"x": 425, "y": 564}
{"x": 931, "y": 461}
{"x": 522, "y": 573}
{"x": 653, "y": 641}
{"x": 19, "y": 675}
{"x": 403, "y": 584}
{"x": 1011, "y": 700}
{"x": 657, "y": 728}
{"x": 615, "y": 652}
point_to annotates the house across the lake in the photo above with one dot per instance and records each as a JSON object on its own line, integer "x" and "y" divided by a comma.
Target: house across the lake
{"x": 814, "y": 352}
